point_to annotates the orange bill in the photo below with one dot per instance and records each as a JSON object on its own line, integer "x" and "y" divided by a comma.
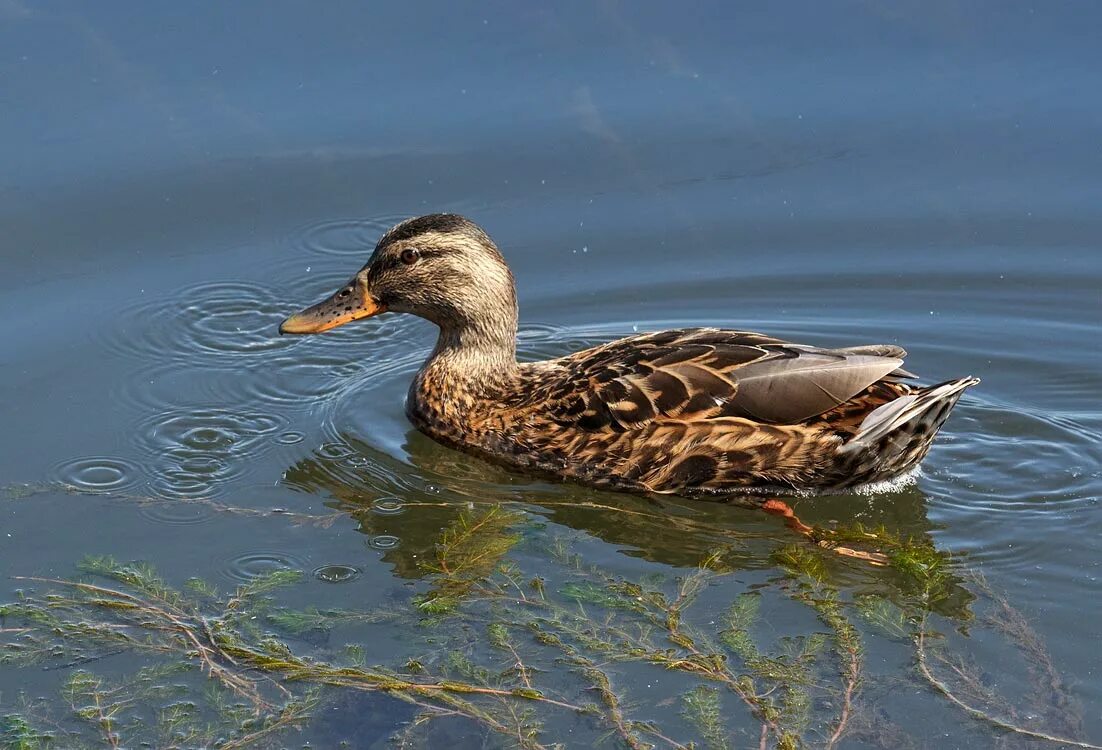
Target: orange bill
{"x": 351, "y": 302}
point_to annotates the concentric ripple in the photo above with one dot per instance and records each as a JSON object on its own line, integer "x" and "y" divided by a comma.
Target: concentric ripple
{"x": 165, "y": 385}
{"x": 212, "y": 320}
{"x": 97, "y": 474}
{"x": 252, "y": 565}
{"x": 353, "y": 237}
{"x": 1031, "y": 460}
{"x": 337, "y": 573}
{"x": 1001, "y": 468}
{"x": 388, "y": 506}
{"x": 383, "y": 542}
{"x": 177, "y": 511}
{"x": 204, "y": 430}
{"x": 542, "y": 341}
{"x": 335, "y": 451}
{"x": 195, "y": 453}
{"x": 324, "y": 368}
{"x": 315, "y": 377}
{"x": 234, "y": 317}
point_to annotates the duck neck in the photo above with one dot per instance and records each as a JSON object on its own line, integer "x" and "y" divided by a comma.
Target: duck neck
{"x": 468, "y": 374}
{"x": 484, "y": 352}
{"x": 474, "y": 356}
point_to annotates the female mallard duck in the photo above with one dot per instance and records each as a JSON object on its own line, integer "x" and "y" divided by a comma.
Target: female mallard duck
{"x": 699, "y": 412}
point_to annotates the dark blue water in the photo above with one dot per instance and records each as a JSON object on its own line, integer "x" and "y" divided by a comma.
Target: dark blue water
{"x": 178, "y": 178}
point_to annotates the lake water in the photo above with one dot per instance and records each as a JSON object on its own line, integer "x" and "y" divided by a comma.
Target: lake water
{"x": 178, "y": 178}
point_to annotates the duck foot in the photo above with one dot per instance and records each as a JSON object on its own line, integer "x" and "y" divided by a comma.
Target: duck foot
{"x": 777, "y": 507}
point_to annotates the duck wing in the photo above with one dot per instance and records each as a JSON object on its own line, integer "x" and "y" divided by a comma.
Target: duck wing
{"x": 703, "y": 373}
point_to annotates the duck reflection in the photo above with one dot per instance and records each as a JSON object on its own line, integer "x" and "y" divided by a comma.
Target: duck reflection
{"x": 413, "y": 498}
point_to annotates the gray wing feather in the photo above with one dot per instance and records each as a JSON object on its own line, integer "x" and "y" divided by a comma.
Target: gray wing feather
{"x": 787, "y": 390}
{"x": 878, "y": 350}
{"x": 881, "y": 350}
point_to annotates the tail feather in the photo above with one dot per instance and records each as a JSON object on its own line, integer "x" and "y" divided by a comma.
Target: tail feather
{"x": 894, "y": 437}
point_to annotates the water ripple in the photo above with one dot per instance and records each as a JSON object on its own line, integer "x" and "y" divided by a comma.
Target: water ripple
{"x": 97, "y": 473}
{"x": 383, "y": 542}
{"x": 211, "y": 319}
{"x": 313, "y": 378}
{"x": 335, "y": 450}
{"x": 177, "y": 513}
{"x": 544, "y": 341}
{"x": 164, "y": 385}
{"x": 388, "y": 506}
{"x": 324, "y": 368}
{"x": 253, "y": 565}
{"x": 233, "y": 317}
{"x": 356, "y": 237}
{"x": 1007, "y": 481}
{"x": 196, "y": 452}
{"x": 203, "y": 430}
{"x": 337, "y": 573}
{"x": 1005, "y": 458}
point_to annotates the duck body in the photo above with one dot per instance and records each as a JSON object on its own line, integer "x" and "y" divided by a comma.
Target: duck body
{"x": 699, "y": 412}
{"x": 661, "y": 413}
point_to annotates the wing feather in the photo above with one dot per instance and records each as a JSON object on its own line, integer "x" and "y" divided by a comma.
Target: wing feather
{"x": 791, "y": 389}
{"x": 701, "y": 374}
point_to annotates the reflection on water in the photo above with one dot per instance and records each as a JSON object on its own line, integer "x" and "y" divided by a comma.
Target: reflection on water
{"x": 671, "y": 531}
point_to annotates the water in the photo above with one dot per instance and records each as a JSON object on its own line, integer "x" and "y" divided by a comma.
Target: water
{"x": 178, "y": 179}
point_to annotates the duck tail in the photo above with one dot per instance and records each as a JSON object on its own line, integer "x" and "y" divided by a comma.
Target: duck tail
{"x": 894, "y": 437}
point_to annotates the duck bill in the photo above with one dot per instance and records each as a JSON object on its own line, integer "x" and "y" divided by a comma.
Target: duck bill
{"x": 351, "y": 302}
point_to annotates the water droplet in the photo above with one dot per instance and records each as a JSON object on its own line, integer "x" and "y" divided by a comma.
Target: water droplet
{"x": 383, "y": 542}
{"x": 388, "y": 506}
{"x": 334, "y": 451}
{"x": 337, "y": 573}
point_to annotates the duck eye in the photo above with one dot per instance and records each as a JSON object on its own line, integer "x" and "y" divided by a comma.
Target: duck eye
{"x": 410, "y": 255}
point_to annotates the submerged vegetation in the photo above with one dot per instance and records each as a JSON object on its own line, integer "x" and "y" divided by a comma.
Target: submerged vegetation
{"x": 495, "y": 644}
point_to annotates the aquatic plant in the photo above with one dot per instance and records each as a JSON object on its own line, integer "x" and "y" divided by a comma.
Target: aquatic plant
{"x": 516, "y": 651}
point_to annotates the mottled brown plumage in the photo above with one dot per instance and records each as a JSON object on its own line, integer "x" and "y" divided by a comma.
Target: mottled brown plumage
{"x": 697, "y": 412}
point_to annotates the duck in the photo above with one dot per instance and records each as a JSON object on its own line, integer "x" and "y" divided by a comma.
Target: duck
{"x": 696, "y": 412}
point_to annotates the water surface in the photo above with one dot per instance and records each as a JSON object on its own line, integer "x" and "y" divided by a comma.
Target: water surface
{"x": 178, "y": 179}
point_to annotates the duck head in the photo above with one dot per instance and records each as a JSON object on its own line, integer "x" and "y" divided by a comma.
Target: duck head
{"x": 441, "y": 267}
